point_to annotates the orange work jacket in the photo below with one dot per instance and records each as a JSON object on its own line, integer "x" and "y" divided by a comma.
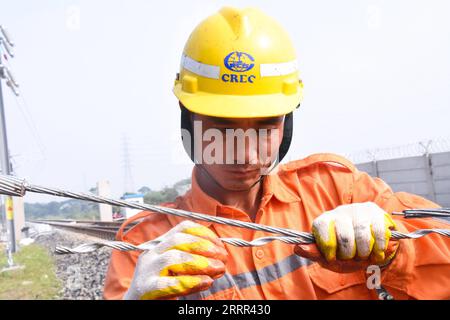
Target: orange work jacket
{"x": 293, "y": 197}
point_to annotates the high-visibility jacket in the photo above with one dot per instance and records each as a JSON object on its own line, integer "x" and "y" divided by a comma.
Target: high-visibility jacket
{"x": 293, "y": 197}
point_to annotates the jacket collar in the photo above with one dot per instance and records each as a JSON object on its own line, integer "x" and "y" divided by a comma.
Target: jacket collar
{"x": 196, "y": 200}
{"x": 278, "y": 183}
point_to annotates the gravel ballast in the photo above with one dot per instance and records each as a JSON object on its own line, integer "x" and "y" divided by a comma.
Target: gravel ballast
{"x": 82, "y": 275}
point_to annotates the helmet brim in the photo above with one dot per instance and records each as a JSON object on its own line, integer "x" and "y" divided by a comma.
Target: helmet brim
{"x": 238, "y": 106}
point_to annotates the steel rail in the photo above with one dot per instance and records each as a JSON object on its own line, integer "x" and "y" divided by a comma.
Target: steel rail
{"x": 106, "y": 233}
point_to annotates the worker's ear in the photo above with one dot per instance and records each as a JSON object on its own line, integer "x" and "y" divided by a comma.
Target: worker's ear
{"x": 187, "y": 131}
{"x": 183, "y": 108}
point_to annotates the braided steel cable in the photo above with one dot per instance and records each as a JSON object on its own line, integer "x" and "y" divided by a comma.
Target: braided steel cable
{"x": 17, "y": 187}
{"x": 419, "y": 233}
{"x": 125, "y": 246}
{"x": 10, "y": 185}
{"x": 424, "y": 213}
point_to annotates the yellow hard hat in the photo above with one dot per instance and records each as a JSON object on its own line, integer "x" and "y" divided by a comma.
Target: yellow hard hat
{"x": 239, "y": 64}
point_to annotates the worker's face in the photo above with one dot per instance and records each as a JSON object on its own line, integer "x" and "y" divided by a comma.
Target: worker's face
{"x": 236, "y": 152}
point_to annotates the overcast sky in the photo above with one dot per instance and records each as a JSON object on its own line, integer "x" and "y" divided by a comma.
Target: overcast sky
{"x": 376, "y": 74}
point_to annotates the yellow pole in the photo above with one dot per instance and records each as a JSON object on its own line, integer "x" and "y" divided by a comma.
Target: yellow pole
{"x": 9, "y": 208}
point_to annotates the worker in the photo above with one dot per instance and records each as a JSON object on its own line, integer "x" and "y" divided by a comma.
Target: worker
{"x": 239, "y": 73}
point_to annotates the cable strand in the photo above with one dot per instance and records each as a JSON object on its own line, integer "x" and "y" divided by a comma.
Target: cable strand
{"x": 125, "y": 246}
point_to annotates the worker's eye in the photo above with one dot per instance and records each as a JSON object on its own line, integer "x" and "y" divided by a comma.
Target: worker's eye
{"x": 269, "y": 127}
{"x": 224, "y": 129}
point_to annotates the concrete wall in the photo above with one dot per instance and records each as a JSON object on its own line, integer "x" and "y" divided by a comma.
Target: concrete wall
{"x": 19, "y": 217}
{"x": 427, "y": 175}
{"x": 104, "y": 190}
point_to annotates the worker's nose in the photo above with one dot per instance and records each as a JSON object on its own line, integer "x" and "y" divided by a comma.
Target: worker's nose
{"x": 251, "y": 151}
{"x": 244, "y": 150}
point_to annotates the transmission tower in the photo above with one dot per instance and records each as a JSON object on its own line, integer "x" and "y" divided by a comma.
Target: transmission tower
{"x": 128, "y": 183}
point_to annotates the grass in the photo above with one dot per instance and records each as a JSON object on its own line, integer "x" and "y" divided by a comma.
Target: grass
{"x": 36, "y": 281}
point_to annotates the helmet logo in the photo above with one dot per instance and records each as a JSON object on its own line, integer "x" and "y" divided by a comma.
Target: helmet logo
{"x": 239, "y": 61}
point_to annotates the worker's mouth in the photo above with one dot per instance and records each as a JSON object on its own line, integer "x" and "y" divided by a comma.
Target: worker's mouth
{"x": 243, "y": 173}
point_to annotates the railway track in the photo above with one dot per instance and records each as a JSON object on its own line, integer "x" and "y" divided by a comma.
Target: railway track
{"x": 100, "y": 229}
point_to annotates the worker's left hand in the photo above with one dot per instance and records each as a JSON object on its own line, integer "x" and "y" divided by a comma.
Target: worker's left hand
{"x": 351, "y": 237}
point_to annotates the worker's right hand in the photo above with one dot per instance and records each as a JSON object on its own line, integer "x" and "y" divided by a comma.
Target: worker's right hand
{"x": 187, "y": 260}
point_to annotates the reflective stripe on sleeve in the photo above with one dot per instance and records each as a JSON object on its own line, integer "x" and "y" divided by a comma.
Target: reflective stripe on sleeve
{"x": 254, "y": 278}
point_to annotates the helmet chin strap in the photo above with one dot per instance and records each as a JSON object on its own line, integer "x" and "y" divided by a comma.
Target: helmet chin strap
{"x": 271, "y": 167}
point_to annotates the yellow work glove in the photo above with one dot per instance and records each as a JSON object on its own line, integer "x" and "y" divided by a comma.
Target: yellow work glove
{"x": 187, "y": 260}
{"x": 351, "y": 237}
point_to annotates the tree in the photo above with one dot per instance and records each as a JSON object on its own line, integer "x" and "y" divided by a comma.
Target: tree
{"x": 144, "y": 190}
{"x": 167, "y": 194}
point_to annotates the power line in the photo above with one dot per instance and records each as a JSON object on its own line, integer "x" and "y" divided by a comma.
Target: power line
{"x": 24, "y": 109}
{"x": 31, "y": 125}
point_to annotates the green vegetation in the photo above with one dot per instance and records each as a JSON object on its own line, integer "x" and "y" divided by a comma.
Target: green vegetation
{"x": 167, "y": 194}
{"x": 164, "y": 195}
{"x": 36, "y": 281}
{"x": 68, "y": 209}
